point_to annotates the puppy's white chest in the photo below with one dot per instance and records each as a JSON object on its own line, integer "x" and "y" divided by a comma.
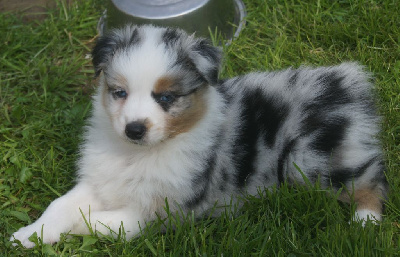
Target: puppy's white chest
{"x": 140, "y": 180}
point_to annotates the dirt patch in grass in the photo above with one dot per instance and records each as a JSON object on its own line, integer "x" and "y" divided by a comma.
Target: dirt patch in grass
{"x": 30, "y": 10}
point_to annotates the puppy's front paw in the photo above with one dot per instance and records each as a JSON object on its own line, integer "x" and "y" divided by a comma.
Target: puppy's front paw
{"x": 23, "y": 235}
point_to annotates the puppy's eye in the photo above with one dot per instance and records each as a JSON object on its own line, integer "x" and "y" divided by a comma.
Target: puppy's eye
{"x": 119, "y": 94}
{"x": 166, "y": 98}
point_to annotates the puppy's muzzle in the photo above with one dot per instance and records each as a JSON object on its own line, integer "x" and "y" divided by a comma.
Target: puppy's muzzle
{"x": 135, "y": 130}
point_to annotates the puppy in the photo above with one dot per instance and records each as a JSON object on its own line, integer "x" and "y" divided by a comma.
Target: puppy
{"x": 164, "y": 127}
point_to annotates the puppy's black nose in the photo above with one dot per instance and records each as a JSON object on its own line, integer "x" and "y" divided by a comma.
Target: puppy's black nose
{"x": 135, "y": 130}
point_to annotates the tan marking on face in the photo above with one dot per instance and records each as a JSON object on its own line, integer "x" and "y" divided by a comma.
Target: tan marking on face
{"x": 189, "y": 117}
{"x": 148, "y": 124}
{"x": 121, "y": 81}
{"x": 365, "y": 199}
{"x": 163, "y": 84}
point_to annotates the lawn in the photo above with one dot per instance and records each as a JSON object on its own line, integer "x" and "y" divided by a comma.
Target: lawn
{"x": 45, "y": 87}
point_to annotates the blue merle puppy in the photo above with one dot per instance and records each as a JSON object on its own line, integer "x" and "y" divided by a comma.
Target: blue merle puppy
{"x": 164, "y": 127}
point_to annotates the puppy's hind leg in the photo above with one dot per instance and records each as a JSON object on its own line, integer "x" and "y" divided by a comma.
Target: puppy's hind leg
{"x": 369, "y": 201}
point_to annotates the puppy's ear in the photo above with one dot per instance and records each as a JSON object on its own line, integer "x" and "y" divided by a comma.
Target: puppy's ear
{"x": 103, "y": 52}
{"x": 207, "y": 59}
{"x": 107, "y": 45}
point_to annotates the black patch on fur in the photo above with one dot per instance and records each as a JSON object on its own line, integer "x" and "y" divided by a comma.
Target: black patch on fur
{"x": 320, "y": 114}
{"x": 134, "y": 39}
{"x": 207, "y": 50}
{"x": 170, "y": 37}
{"x": 102, "y": 52}
{"x": 260, "y": 116}
{"x": 271, "y": 118}
{"x": 212, "y": 75}
{"x": 332, "y": 95}
{"x": 106, "y": 46}
{"x": 282, "y": 159}
{"x": 268, "y": 114}
{"x": 224, "y": 180}
{"x": 123, "y": 43}
{"x": 202, "y": 182}
{"x": 245, "y": 147}
{"x": 340, "y": 177}
{"x": 311, "y": 122}
{"x": 330, "y": 134}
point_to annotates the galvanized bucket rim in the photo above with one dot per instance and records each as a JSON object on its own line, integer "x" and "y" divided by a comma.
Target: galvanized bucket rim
{"x": 239, "y": 5}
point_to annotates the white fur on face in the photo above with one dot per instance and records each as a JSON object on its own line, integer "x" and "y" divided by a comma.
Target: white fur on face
{"x": 147, "y": 70}
{"x": 136, "y": 71}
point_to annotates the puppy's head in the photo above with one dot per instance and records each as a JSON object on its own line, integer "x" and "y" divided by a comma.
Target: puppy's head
{"x": 154, "y": 81}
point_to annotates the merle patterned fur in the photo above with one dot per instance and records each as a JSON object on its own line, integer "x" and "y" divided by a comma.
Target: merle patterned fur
{"x": 299, "y": 116}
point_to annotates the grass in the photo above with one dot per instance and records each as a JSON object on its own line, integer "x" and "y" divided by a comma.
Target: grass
{"x": 45, "y": 86}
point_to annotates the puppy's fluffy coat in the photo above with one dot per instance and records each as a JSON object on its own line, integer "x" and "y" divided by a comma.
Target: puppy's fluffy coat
{"x": 164, "y": 127}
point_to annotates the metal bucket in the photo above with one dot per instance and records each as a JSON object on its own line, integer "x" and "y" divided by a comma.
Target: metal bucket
{"x": 205, "y": 17}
